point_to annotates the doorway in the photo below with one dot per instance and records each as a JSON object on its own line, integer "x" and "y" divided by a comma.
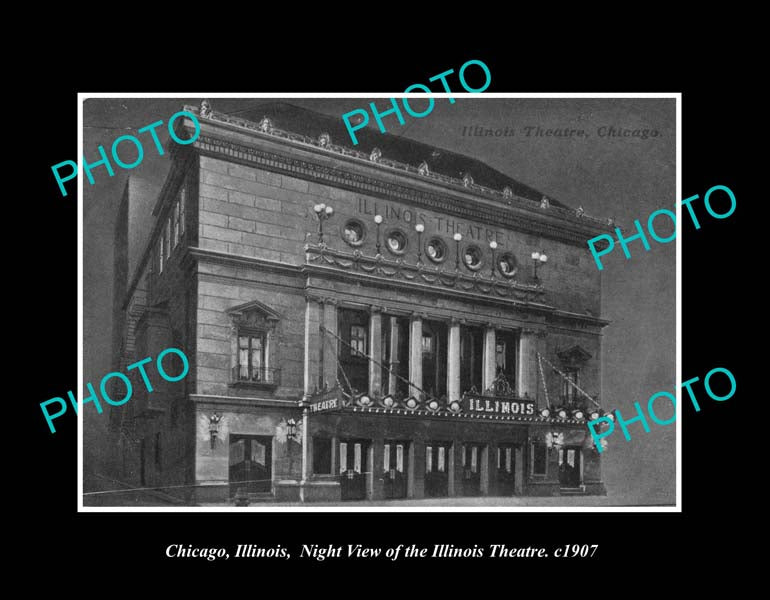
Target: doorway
{"x": 570, "y": 468}
{"x": 471, "y": 455}
{"x": 506, "y": 470}
{"x": 395, "y": 466}
{"x": 251, "y": 463}
{"x": 354, "y": 462}
{"x": 436, "y": 469}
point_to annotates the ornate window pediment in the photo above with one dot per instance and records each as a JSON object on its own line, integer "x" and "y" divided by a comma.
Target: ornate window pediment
{"x": 254, "y": 315}
{"x": 575, "y": 356}
{"x": 253, "y": 345}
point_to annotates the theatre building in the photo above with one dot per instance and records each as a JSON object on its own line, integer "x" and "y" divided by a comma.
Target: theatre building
{"x": 390, "y": 320}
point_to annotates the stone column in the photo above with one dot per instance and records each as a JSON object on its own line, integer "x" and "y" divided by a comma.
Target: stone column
{"x": 329, "y": 373}
{"x": 489, "y": 357}
{"x": 539, "y": 394}
{"x": 393, "y": 358}
{"x": 410, "y": 470}
{"x": 527, "y": 385}
{"x": 518, "y": 476}
{"x": 453, "y": 361}
{"x": 415, "y": 355}
{"x": 312, "y": 344}
{"x": 306, "y": 446}
{"x": 375, "y": 351}
{"x": 376, "y": 466}
{"x": 484, "y": 469}
{"x": 335, "y": 458}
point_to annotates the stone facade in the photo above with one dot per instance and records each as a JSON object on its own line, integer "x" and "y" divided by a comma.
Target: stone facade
{"x": 251, "y": 280}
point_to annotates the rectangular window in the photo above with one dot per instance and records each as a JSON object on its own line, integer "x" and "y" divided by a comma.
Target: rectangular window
{"x": 251, "y": 358}
{"x": 568, "y": 392}
{"x": 474, "y": 458}
{"x": 157, "y": 452}
{"x": 357, "y": 340}
{"x": 386, "y": 458}
{"x": 428, "y": 459}
{"x": 500, "y": 356}
{"x": 322, "y": 456}
{"x": 400, "y": 458}
{"x": 176, "y": 224}
{"x": 343, "y": 457}
{"x": 357, "y": 458}
{"x": 539, "y": 459}
{"x": 427, "y": 344}
{"x": 441, "y": 451}
{"x": 182, "y": 194}
{"x": 507, "y": 460}
{"x": 167, "y": 237}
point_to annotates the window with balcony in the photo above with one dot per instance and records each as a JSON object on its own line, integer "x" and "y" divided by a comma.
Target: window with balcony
{"x": 569, "y": 394}
{"x": 254, "y": 354}
{"x": 251, "y": 357}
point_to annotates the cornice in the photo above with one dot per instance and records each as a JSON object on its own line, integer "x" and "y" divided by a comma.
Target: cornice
{"x": 240, "y": 402}
{"x": 447, "y": 202}
{"x": 224, "y": 258}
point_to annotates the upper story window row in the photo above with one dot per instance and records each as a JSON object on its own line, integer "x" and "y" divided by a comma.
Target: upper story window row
{"x": 173, "y": 230}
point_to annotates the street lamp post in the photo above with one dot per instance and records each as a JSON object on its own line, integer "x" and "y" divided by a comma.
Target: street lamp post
{"x": 419, "y": 228}
{"x": 458, "y": 238}
{"x": 493, "y": 246}
{"x": 538, "y": 257}
{"x": 378, "y": 220}
{"x": 323, "y": 212}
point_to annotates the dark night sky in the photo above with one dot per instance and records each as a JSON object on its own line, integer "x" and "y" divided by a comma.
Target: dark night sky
{"x": 627, "y": 178}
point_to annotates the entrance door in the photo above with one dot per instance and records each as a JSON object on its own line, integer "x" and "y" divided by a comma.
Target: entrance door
{"x": 436, "y": 469}
{"x": 353, "y": 469}
{"x": 569, "y": 467}
{"x": 506, "y": 470}
{"x": 251, "y": 460}
{"x": 395, "y": 465}
{"x": 472, "y": 469}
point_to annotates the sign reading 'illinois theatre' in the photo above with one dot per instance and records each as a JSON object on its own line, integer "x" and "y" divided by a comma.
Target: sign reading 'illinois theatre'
{"x": 479, "y": 404}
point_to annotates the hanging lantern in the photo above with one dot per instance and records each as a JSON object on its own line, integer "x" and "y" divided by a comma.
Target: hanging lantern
{"x": 554, "y": 439}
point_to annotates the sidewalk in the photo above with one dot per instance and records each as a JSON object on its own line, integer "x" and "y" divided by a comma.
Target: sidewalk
{"x": 489, "y": 502}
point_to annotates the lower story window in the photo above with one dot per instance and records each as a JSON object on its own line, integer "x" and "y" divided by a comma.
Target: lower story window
{"x": 539, "y": 459}
{"x": 322, "y": 456}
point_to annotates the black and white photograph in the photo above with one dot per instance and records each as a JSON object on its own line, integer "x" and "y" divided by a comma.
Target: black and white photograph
{"x": 380, "y": 303}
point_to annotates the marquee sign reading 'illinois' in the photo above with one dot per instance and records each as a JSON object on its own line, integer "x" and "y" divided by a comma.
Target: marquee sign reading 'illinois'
{"x": 480, "y": 404}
